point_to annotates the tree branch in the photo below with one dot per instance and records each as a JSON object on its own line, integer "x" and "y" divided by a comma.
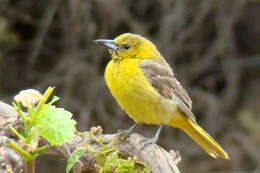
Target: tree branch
{"x": 157, "y": 159}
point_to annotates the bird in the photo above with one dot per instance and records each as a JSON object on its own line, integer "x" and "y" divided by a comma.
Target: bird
{"x": 145, "y": 87}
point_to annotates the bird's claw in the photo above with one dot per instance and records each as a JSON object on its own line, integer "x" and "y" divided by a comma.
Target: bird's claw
{"x": 127, "y": 132}
{"x": 124, "y": 133}
{"x": 147, "y": 141}
{"x": 151, "y": 140}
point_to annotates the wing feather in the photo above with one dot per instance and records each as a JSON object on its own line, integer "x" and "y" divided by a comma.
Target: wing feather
{"x": 162, "y": 78}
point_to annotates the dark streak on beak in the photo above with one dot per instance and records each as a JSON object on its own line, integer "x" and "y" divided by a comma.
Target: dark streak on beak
{"x": 109, "y": 43}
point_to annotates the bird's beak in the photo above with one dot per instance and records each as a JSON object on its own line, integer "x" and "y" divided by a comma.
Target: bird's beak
{"x": 109, "y": 43}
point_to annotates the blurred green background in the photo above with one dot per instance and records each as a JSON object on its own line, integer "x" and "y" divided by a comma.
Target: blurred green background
{"x": 212, "y": 45}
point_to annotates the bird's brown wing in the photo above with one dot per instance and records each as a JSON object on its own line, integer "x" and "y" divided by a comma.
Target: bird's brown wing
{"x": 161, "y": 76}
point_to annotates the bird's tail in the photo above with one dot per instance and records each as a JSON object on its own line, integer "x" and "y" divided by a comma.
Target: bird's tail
{"x": 199, "y": 135}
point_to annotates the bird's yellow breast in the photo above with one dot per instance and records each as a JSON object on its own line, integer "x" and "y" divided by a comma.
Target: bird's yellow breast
{"x": 134, "y": 93}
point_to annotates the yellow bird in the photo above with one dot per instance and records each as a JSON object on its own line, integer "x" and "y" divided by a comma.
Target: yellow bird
{"x": 144, "y": 85}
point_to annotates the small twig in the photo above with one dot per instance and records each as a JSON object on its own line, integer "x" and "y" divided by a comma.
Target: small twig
{"x": 30, "y": 166}
{"x": 27, "y": 156}
{"x": 44, "y": 25}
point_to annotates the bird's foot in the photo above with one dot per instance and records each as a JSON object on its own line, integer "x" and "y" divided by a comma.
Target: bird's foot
{"x": 127, "y": 132}
{"x": 151, "y": 140}
{"x": 147, "y": 141}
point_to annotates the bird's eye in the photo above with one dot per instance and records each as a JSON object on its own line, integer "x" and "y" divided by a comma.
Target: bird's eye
{"x": 126, "y": 46}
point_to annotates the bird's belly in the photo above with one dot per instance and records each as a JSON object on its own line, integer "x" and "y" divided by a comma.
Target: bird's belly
{"x": 135, "y": 94}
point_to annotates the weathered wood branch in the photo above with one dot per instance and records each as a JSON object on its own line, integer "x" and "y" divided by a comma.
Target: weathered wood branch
{"x": 157, "y": 159}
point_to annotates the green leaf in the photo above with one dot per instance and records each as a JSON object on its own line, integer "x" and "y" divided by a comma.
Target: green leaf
{"x": 100, "y": 157}
{"x": 74, "y": 157}
{"x": 55, "y": 124}
{"x": 125, "y": 166}
{"x": 141, "y": 167}
{"x": 111, "y": 162}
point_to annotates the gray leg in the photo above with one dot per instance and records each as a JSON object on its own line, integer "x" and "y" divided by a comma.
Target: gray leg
{"x": 128, "y": 131}
{"x": 151, "y": 140}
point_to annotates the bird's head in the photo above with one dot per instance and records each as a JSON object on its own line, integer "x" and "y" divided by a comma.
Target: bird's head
{"x": 130, "y": 45}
